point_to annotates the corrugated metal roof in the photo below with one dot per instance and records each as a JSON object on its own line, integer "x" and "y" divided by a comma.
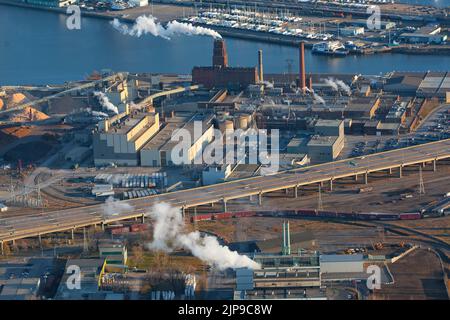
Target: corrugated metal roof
{"x": 341, "y": 257}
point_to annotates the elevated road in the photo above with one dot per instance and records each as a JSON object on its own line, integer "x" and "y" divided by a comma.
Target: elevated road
{"x": 66, "y": 220}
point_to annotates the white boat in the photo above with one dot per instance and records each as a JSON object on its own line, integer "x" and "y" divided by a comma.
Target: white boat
{"x": 333, "y": 48}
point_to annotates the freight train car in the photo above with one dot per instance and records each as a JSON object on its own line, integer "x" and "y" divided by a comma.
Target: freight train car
{"x": 120, "y": 230}
{"x": 222, "y": 216}
{"x": 410, "y": 216}
{"x": 138, "y": 227}
{"x": 201, "y": 217}
{"x": 244, "y": 214}
{"x": 306, "y": 212}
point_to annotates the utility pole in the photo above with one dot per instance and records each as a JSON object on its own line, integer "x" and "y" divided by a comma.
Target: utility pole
{"x": 320, "y": 204}
{"x": 85, "y": 244}
{"x": 421, "y": 185}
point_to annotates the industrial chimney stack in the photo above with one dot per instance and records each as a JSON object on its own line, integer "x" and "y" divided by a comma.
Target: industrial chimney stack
{"x": 260, "y": 66}
{"x": 286, "y": 246}
{"x": 302, "y": 67}
{"x": 220, "y": 57}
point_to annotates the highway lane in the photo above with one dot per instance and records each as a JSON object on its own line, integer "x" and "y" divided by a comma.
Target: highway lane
{"x": 70, "y": 218}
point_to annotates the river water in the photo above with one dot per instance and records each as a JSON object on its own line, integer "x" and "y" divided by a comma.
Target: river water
{"x": 37, "y": 48}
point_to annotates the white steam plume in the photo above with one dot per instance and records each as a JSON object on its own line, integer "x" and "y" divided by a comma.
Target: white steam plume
{"x": 105, "y": 103}
{"x": 315, "y": 96}
{"x": 95, "y": 113}
{"x": 319, "y": 99}
{"x": 344, "y": 86}
{"x": 113, "y": 207}
{"x": 332, "y": 84}
{"x": 147, "y": 24}
{"x": 168, "y": 234}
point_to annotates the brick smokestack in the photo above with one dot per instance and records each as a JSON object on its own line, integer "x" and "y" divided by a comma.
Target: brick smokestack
{"x": 302, "y": 67}
{"x": 220, "y": 57}
{"x": 260, "y": 66}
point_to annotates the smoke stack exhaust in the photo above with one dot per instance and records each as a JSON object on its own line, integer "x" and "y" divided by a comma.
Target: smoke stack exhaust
{"x": 260, "y": 66}
{"x": 302, "y": 67}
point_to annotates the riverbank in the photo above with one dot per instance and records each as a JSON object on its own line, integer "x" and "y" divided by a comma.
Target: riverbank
{"x": 162, "y": 12}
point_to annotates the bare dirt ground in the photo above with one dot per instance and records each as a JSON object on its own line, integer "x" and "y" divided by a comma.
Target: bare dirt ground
{"x": 418, "y": 276}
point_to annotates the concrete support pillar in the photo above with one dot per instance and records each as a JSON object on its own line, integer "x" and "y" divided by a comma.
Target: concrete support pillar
{"x": 40, "y": 239}
{"x": 212, "y": 204}
{"x": 400, "y": 171}
{"x": 434, "y": 165}
{"x": 103, "y": 226}
{"x": 73, "y": 237}
{"x": 183, "y": 211}
{"x": 321, "y": 184}
{"x": 250, "y": 198}
{"x": 356, "y": 177}
{"x": 260, "y": 198}
{"x": 366, "y": 178}
{"x": 424, "y": 164}
{"x": 143, "y": 218}
{"x": 390, "y": 171}
{"x": 224, "y": 205}
{"x": 287, "y": 190}
{"x": 331, "y": 184}
{"x": 296, "y": 192}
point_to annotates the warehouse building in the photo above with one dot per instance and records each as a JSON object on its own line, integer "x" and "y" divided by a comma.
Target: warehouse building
{"x": 329, "y": 128}
{"x": 325, "y": 149}
{"x": 342, "y": 263}
{"x": 158, "y": 151}
{"x": 90, "y": 275}
{"x": 119, "y": 139}
{"x": 362, "y": 107}
{"x": 404, "y": 83}
{"x": 114, "y": 252}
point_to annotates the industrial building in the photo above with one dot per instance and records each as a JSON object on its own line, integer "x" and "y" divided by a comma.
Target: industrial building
{"x": 113, "y": 252}
{"x": 158, "y": 151}
{"x": 362, "y": 107}
{"x": 323, "y": 149}
{"x": 91, "y": 272}
{"x": 119, "y": 139}
{"x": 51, "y": 3}
{"x": 427, "y": 34}
{"x": 281, "y": 276}
{"x": 220, "y": 75}
{"x": 216, "y": 174}
{"x": 329, "y": 128}
{"x": 342, "y": 263}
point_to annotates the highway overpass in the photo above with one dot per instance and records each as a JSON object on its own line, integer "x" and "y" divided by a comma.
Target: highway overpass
{"x": 66, "y": 220}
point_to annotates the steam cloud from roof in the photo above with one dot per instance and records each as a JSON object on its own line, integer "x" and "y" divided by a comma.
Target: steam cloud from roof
{"x": 335, "y": 84}
{"x": 168, "y": 234}
{"x": 147, "y": 24}
{"x": 105, "y": 103}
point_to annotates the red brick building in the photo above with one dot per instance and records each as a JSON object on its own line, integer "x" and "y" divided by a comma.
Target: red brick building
{"x": 220, "y": 75}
